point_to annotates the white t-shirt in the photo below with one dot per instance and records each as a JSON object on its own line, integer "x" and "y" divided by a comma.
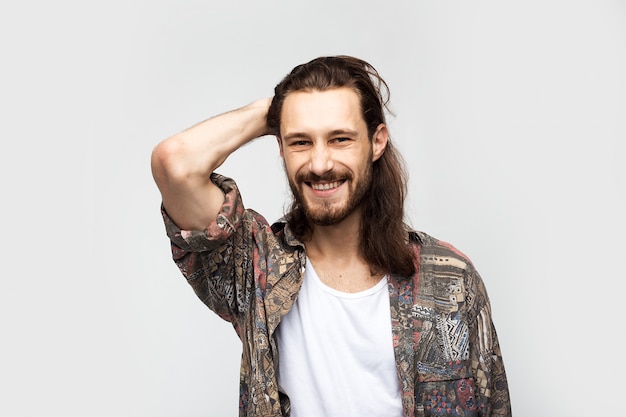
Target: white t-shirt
{"x": 336, "y": 353}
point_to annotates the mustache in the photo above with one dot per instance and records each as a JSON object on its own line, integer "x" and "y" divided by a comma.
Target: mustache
{"x": 329, "y": 176}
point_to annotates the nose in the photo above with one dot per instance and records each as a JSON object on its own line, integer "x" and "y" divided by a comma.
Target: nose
{"x": 320, "y": 160}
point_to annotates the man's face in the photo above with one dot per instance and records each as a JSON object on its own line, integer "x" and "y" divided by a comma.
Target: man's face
{"x": 327, "y": 153}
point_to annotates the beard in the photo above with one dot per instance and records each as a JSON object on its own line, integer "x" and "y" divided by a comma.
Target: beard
{"x": 327, "y": 213}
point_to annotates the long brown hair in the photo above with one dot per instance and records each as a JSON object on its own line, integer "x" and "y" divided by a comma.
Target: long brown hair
{"x": 384, "y": 235}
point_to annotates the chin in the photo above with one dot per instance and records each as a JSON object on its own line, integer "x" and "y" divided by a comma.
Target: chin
{"x": 328, "y": 217}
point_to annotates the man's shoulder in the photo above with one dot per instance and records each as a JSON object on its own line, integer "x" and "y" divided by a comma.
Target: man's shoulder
{"x": 433, "y": 249}
{"x": 447, "y": 277}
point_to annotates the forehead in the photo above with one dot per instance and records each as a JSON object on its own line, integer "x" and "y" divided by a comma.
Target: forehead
{"x": 322, "y": 110}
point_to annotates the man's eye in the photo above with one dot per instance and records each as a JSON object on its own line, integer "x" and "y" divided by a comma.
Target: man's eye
{"x": 299, "y": 143}
{"x": 340, "y": 140}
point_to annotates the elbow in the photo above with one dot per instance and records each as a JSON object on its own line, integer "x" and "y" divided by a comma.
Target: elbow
{"x": 167, "y": 161}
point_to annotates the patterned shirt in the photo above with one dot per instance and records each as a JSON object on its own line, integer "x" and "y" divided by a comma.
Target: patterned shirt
{"x": 249, "y": 272}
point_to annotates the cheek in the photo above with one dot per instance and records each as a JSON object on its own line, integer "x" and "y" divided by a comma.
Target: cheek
{"x": 290, "y": 167}
{"x": 294, "y": 161}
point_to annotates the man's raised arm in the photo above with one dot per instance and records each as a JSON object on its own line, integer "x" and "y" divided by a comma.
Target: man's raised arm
{"x": 183, "y": 163}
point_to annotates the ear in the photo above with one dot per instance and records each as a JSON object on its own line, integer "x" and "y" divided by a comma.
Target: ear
{"x": 379, "y": 141}
{"x": 280, "y": 146}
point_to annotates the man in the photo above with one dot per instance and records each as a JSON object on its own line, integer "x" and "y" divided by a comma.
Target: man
{"x": 341, "y": 308}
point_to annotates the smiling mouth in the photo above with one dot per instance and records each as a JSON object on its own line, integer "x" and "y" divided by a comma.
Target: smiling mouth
{"x": 325, "y": 186}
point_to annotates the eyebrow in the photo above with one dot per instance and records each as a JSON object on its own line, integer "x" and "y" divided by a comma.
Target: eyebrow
{"x": 336, "y": 132}
{"x": 343, "y": 132}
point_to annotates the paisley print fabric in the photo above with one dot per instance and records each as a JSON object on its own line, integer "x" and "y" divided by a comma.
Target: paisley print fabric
{"x": 249, "y": 272}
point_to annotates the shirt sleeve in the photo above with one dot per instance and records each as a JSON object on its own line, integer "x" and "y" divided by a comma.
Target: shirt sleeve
{"x": 215, "y": 261}
{"x": 486, "y": 358}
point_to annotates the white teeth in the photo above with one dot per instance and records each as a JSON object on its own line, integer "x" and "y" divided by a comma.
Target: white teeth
{"x": 327, "y": 186}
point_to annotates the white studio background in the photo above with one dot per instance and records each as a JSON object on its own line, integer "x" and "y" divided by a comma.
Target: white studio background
{"x": 511, "y": 116}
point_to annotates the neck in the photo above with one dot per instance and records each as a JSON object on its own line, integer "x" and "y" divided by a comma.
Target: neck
{"x": 339, "y": 240}
{"x": 335, "y": 252}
